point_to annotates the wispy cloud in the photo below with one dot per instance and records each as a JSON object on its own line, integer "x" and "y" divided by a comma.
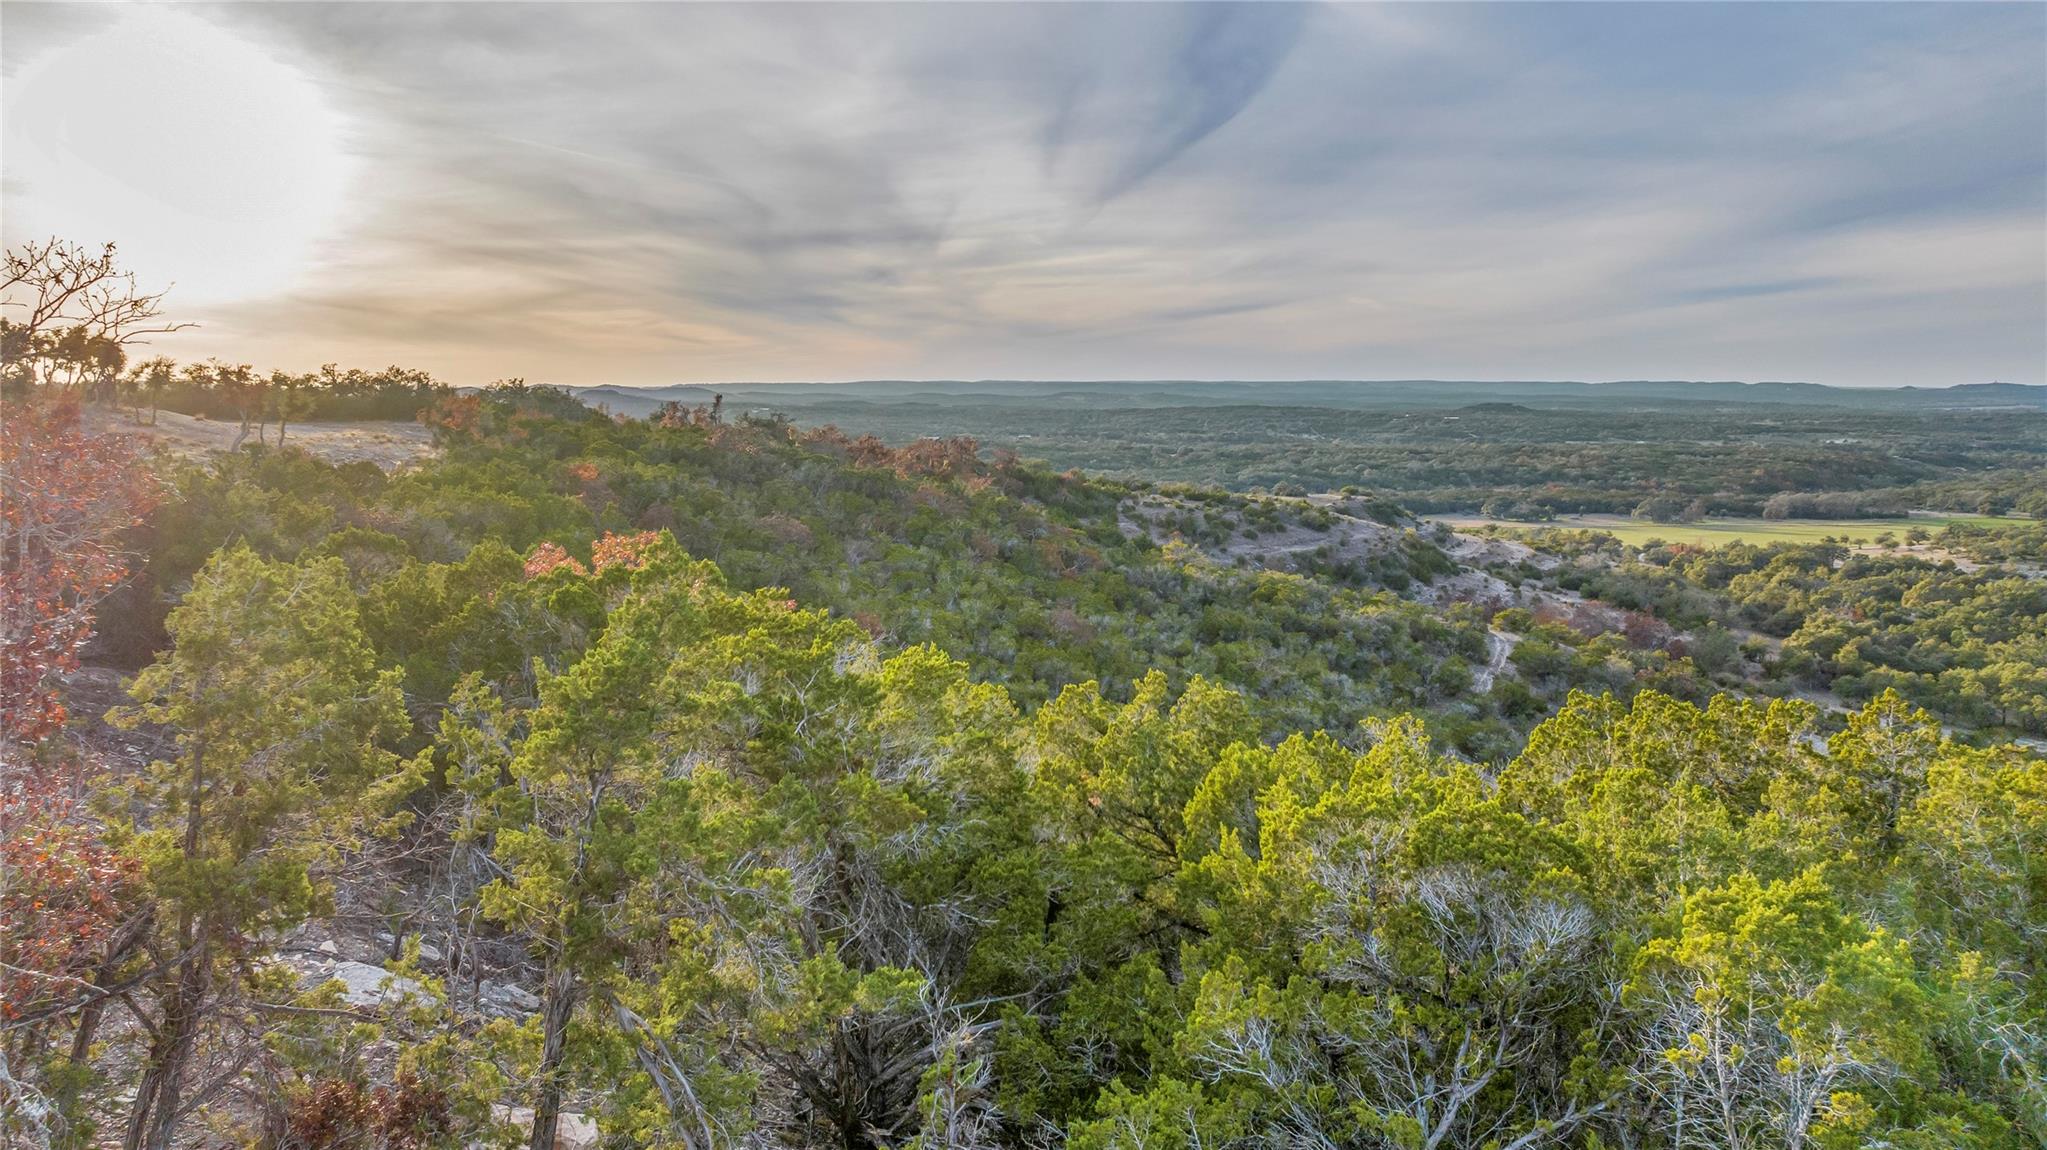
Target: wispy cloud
{"x": 642, "y": 193}
{"x": 1752, "y": 290}
{"x": 1225, "y": 56}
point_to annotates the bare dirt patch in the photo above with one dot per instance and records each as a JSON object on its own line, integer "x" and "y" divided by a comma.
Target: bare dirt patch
{"x": 387, "y": 443}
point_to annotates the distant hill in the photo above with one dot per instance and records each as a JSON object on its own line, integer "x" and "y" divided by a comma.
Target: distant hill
{"x": 640, "y": 402}
{"x": 1406, "y": 394}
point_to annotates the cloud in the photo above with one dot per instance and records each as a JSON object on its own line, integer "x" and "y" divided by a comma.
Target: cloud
{"x": 662, "y": 193}
{"x": 1751, "y": 290}
{"x": 1226, "y": 56}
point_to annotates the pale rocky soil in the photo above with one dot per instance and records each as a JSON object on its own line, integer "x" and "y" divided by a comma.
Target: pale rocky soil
{"x": 1936, "y": 554}
{"x": 1350, "y": 536}
{"x": 1355, "y": 536}
{"x": 1499, "y": 648}
{"x": 388, "y": 444}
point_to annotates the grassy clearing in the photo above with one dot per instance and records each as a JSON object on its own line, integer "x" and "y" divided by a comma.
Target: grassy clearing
{"x": 1711, "y": 532}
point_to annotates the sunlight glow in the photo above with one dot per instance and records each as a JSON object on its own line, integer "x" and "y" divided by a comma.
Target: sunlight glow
{"x": 211, "y": 162}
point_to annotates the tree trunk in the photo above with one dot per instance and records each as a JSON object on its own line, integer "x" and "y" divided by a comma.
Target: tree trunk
{"x": 559, "y": 1004}
{"x": 118, "y": 950}
{"x": 179, "y": 1037}
{"x": 157, "y": 1099}
{"x": 88, "y": 1028}
{"x": 154, "y": 1121}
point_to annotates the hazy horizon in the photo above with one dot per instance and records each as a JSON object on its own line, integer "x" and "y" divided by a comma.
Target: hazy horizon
{"x": 1276, "y": 380}
{"x": 644, "y": 195}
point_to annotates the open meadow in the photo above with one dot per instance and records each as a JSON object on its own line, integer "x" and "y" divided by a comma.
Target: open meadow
{"x": 1714, "y": 532}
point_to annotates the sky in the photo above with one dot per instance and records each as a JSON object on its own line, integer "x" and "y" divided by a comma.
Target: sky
{"x": 646, "y": 194}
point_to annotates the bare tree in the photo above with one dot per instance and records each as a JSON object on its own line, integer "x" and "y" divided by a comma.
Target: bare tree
{"x": 54, "y": 288}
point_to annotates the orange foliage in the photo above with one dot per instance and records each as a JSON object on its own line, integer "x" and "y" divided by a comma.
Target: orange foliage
{"x": 65, "y": 893}
{"x": 551, "y": 557}
{"x": 628, "y": 551}
{"x": 66, "y": 497}
{"x": 453, "y": 415}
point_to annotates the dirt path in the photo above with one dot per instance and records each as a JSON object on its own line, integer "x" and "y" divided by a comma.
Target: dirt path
{"x": 1499, "y": 648}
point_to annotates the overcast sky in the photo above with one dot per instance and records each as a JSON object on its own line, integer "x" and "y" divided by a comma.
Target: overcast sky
{"x": 646, "y": 194}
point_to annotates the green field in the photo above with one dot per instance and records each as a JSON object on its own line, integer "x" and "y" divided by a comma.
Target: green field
{"x": 1709, "y": 532}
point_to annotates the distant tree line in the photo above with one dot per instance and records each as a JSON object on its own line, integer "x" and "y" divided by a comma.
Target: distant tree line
{"x": 73, "y": 318}
{"x": 255, "y": 401}
{"x": 1735, "y": 457}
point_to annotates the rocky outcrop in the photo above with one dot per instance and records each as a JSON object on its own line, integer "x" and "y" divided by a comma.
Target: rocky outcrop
{"x": 506, "y": 1000}
{"x": 366, "y": 985}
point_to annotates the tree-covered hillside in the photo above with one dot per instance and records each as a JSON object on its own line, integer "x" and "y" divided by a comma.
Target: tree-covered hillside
{"x": 713, "y": 782}
{"x": 1454, "y": 447}
{"x": 1036, "y": 580}
{"x": 1956, "y": 623}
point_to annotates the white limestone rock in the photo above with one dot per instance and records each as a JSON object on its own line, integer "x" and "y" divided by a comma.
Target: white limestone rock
{"x": 366, "y": 985}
